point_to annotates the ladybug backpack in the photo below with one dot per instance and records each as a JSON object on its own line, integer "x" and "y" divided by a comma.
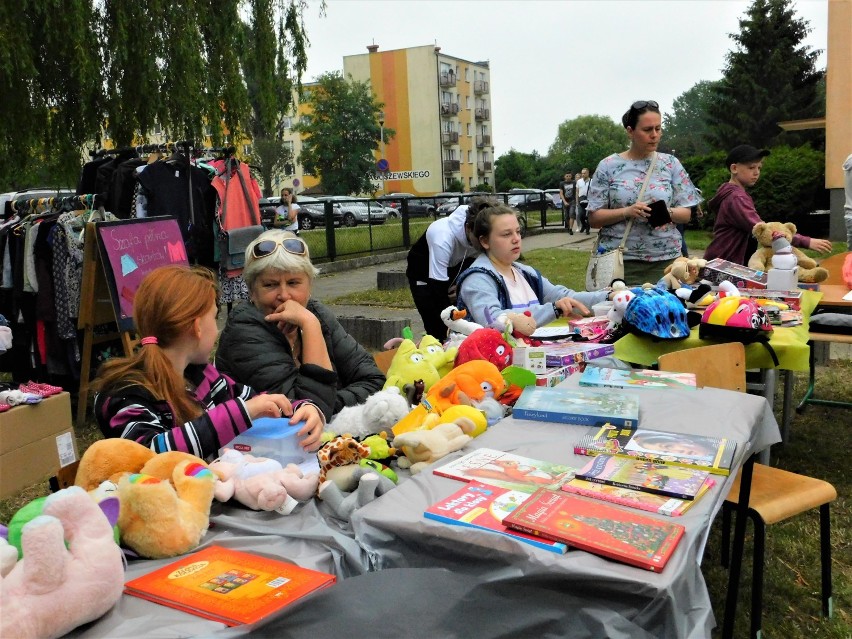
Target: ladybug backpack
{"x": 737, "y": 319}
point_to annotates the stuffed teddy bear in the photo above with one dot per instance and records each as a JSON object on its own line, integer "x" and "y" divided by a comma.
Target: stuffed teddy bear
{"x": 379, "y": 413}
{"x": 684, "y": 270}
{"x": 422, "y": 447}
{"x": 261, "y": 483}
{"x": 369, "y": 486}
{"x": 55, "y": 589}
{"x": 761, "y": 260}
{"x": 161, "y": 518}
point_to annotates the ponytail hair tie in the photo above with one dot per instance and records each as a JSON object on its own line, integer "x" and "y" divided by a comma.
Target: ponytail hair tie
{"x": 149, "y": 340}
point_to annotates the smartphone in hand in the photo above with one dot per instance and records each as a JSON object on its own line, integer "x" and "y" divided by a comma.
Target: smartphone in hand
{"x": 659, "y": 214}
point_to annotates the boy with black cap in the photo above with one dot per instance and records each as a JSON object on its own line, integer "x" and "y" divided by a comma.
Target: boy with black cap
{"x": 735, "y": 212}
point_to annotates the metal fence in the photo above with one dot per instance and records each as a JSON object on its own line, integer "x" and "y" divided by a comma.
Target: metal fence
{"x": 355, "y": 227}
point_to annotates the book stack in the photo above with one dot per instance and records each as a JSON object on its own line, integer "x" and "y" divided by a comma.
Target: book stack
{"x": 581, "y": 406}
{"x": 634, "y": 474}
{"x": 602, "y": 377}
{"x": 228, "y": 586}
{"x": 597, "y": 527}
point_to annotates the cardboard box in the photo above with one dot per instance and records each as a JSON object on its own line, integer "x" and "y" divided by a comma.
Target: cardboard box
{"x": 719, "y": 270}
{"x": 529, "y": 357}
{"x": 35, "y": 441}
{"x": 569, "y": 353}
{"x": 554, "y": 376}
{"x": 589, "y": 325}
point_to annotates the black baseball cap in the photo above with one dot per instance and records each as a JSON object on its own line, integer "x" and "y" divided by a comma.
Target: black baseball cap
{"x": 745, "y": 153}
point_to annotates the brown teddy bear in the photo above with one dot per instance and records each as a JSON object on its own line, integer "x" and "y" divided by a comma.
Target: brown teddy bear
{"x": 761, "y": 260}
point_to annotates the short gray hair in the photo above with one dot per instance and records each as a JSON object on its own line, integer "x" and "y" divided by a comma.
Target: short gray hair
{"x": 278, "y": 260}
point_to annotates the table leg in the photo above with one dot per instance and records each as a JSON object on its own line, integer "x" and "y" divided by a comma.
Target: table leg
{"x": 738, "y": 549}
{"x": 769, "y": 377}
{"x": 809, "y": 394}
{"x": 786, "y": 414}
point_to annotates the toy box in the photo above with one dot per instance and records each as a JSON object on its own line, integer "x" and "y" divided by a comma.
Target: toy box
{"x": 36, "y": 440}
{"x": 569, "y": 353}
{"x": 589, "y": 326}
{"x": 719, "y": 270}
{"x": 553, "y": 376}
{"x": 793, "y": 299}
{"x": 530, "y": 357}
{"x": 277, "y": 439}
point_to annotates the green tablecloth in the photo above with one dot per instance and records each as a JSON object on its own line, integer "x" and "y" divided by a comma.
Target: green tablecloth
{"x": 790, "y": 344}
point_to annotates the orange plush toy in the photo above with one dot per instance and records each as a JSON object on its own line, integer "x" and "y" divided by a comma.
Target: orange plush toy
{"x": 472, "y": 381}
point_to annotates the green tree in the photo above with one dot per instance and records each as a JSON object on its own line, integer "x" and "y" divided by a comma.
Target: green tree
{"x": 455, "y": 185}
{"x": 515, "y": 169}
{"x": 342, "y": 132}
{"x": 770, "y": 77}
{"x": 585, "y": 141}
{"x": 482, "y": 188}
{"x": 685, "y": 130}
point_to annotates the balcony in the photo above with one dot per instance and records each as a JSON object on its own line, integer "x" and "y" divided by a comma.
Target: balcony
{"x": 480, "y": 87}
{"x": 449, "y": 109}
{"x": 448, "y": 79}
{"x": 450, "y": 137}
{"x": 452, "y": 166}
{"x": 482, "y": 113}
{"x": 483, "y": 167}
{"x": 483, "y": 140}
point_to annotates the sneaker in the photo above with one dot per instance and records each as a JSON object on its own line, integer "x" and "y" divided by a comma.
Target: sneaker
{"x": 31, "y": 388}
{"x": 47, "y": 390}
{"x": 570, "y": 231}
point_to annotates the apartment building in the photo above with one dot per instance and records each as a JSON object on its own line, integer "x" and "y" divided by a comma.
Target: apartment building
{"x": 440, "y": 108}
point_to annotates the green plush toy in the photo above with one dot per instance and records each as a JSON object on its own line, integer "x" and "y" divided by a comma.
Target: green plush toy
{"x": 408, "y": 365}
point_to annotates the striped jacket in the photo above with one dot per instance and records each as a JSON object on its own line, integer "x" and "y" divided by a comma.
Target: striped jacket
{"x": 134, "y": 413}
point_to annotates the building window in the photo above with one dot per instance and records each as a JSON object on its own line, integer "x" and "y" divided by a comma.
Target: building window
{"x": 470, "y": 157}
{"x": 287, "y": 122}
{"x": 247, "y": 149}
{"x": 467, "y": 102}
{"x": 467, "y": 74}
{"x": 469, "y": 182}
{"x": 468, "y": 129}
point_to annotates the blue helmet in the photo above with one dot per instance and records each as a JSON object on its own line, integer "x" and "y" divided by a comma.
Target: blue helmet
{"x": 657, "y": 313}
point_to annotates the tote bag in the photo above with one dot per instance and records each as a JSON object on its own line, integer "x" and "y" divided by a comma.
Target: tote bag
{"x": 606, "y": 266}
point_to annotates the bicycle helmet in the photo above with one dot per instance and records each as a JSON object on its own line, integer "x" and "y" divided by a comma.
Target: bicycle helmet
{"x": 658, "y": 314}
{"x": 737, "y": 319}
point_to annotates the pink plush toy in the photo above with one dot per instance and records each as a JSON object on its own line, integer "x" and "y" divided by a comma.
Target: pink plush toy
{"x": 52, "y": 590}
{"x": 261, "y": 483}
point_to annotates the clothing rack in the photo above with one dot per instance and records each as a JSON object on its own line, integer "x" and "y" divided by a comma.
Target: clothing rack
{"x": 167, "y": 147}
{"x": 68, "y": 202}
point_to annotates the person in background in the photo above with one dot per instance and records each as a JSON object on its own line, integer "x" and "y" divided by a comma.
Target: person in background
{"x": 286, "y": 342}
{"x": 614, "y": 193}
{"x": 497, "y": 287}
{"x": 582, "y": 193}
{"x": 847, "y": 207}
{"x": 696, "y": 213}
{"x": 167, "y": 396}
{"x": 566, "y": 192}
{"x": 736, "y": 214}
{"x": 287, "y": 213}
{"x": 435, "y": 260}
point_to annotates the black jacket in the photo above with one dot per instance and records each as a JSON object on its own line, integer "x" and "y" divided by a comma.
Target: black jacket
{"x": 254, "y": 352}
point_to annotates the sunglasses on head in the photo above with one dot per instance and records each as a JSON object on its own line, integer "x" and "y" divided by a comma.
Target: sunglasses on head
{"x": 643, "y": 104}
{"x": 265, "y": 248}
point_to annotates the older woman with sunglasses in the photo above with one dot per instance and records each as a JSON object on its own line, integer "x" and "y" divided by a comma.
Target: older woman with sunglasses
{"x": 613, "y": 198}
{"x": 284, "y": 341}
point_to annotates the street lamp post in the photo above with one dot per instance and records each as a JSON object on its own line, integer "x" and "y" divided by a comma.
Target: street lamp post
{"x": 382, "y": 141}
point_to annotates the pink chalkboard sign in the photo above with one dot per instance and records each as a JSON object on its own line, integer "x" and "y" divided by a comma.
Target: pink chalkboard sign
{"x": 129, "y": 250}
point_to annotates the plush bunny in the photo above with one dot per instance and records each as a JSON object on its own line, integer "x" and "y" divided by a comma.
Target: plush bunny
{"x": 54, "y": 589}
{"x": 261, "y": 483}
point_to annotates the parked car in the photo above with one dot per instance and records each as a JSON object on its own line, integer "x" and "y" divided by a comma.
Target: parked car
{"x": 355, "y": 213}
{"x": 417, "y": 206}
{"x": 555, "y": 195}
{"x": 311, "y": 212}
{"x": 530, "y": 199}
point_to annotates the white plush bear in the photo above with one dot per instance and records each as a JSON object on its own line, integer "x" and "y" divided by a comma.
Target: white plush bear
{"x": 380, "y": 412}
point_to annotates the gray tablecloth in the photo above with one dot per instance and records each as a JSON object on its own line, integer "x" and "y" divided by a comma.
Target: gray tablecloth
{"x": 401, "y": 575}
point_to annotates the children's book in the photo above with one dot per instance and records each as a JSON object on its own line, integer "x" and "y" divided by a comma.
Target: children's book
{"x": 597, "y": 527}
{"x": 670, "y": 506}
{"x": 567, "y": 353}
{"x": 506, "y": 470}
{"x": 479, "y": 505}
{"x": 582, "y": 406}
{"x": 599, "y": 376}
{"x": 229, "y": 586}
{"x": 674, "y": 449}
{"x": 659, "y": 479}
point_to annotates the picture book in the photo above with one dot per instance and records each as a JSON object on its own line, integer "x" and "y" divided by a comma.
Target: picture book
{"x": 599, "y": 376}
{"x": 229, "y": 586}
{"x": 659, "y": 479}
{"x": 567, "y": 353}
{"x": 506, "y": 470}
{"x": 598, "y": 527}
{"x": 670, "y": 506}
{"x": 674, "y": 449}
{"x": 582, "y": 406}
{"x": 479, "y": 505}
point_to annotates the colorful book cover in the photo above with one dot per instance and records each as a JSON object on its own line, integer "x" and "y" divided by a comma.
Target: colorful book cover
{"x": 597, "y": 527}
{"x": 659, "y": 479}
{"x": 582, "y": 406}
{"x": 674, "y": 449}
{"x": 479, "y": 505}
{"x": 599, "y": 376}
{"x": 229, "y": 586}
{"x": 659, "y": 504}
{"x": 567, "y": 353}
{"x": 506, "y": 470}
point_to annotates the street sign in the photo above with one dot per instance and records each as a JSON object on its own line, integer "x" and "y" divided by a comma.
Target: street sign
{"x": 383, "y": 165}
{"x": 296, "y": 182}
